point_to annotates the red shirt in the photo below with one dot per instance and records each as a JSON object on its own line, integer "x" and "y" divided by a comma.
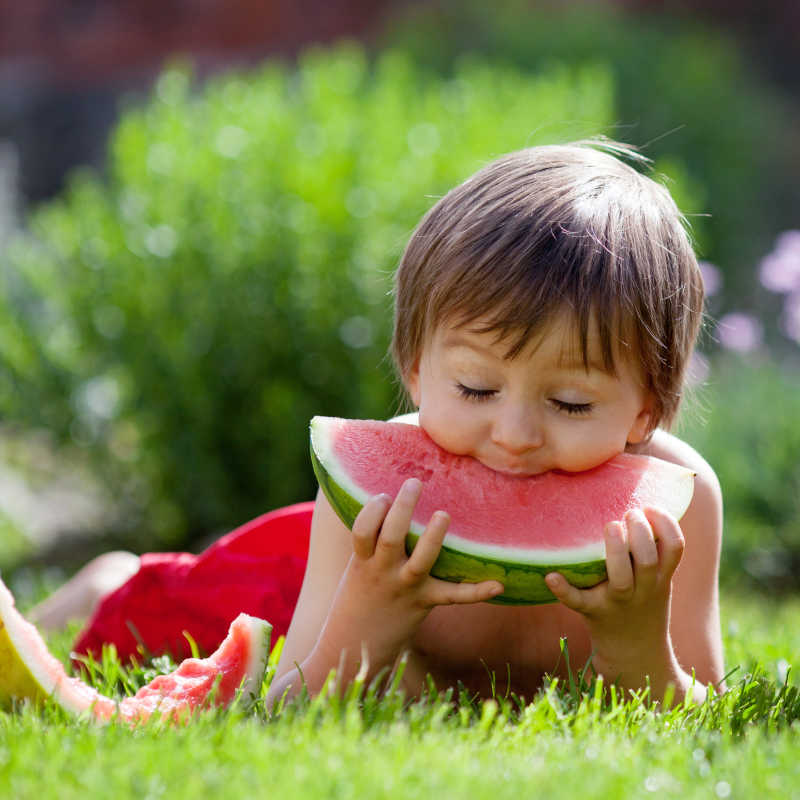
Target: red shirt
{"x": 258, "y": 569}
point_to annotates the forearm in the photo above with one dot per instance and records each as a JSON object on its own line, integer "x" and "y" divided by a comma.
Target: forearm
{"x": 348, "y": 661}
{"x": 659, "y": 670}
{"x": 311, "y": 674}
{"x": 316, "y": 670}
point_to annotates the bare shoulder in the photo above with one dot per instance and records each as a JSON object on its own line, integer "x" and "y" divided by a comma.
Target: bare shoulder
{"x": 669, "y": 447}
{"x": 694, "y": 609}
{"x": 705, "y": 511}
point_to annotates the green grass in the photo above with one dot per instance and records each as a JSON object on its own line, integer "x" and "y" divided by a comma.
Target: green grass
{"x": 565, "y": 743}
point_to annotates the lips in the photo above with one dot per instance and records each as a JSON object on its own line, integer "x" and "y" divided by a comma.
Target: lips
{"x": 514, "y": 470}
{"x": 518, "y": 473}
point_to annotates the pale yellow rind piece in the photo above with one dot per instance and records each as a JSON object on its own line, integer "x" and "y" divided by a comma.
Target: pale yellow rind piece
{"x": 16, "y": 680}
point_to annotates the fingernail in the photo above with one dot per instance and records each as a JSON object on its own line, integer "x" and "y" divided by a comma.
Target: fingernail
{"x": 615, "y": 529}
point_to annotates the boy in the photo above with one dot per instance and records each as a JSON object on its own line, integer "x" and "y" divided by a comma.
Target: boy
{"x": 545, "y": 311}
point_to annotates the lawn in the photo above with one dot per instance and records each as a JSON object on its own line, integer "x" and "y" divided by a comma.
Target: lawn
{"x": 562, "y": 744}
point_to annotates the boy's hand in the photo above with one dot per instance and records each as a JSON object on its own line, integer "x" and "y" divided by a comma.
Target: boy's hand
{"x": 384, "y": 595}
{"x": 628, "y": 614}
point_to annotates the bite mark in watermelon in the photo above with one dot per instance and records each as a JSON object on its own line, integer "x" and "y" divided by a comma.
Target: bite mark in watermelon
{"x": 507, "y": 528}
{"x": 29, "y": 671}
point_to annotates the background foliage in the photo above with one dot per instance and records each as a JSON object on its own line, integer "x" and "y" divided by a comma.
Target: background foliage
{"x": 744, "y": 421}
{"x": 183, "y": 317}
{"x": 683, "y": 91}
{"x": 180, "y": 318}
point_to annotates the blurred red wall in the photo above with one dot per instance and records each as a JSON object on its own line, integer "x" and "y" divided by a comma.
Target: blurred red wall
{"x": 65, "y": 63}
{"x": 95, "y": 41}
{"x": 91, "y": 41}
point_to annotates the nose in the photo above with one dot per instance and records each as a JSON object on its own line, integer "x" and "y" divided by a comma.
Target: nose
{"x": 518, "y": 431}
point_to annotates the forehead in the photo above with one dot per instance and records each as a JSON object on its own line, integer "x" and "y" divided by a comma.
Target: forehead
{"x": 558, "y": 341}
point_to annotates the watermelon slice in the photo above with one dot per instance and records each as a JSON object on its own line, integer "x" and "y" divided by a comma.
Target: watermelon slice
{"x": 507, "y": 528}
{"x": 29, "y": 671}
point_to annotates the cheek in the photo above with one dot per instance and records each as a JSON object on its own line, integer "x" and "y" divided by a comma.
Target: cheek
{"x": 451, "y": 430}
{"x": 584, "y": 447}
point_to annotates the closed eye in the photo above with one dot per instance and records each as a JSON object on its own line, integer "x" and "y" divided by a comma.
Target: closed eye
{"x": 572, "y": 408}
{"x": 475, "y": 394}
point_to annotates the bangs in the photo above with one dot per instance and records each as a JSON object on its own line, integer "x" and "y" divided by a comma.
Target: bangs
{"x": 516, "y": 295}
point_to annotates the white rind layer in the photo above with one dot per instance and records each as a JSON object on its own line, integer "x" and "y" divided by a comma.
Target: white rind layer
{"x": 260, "y": 633}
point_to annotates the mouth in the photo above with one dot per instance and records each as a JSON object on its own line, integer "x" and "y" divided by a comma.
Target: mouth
{"x": 517, "y": 472}
{"x": 509, "y": 465}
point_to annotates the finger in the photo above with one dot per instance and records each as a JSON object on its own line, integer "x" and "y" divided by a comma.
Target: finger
{"x": 669, "y": 539}
{"x": 618, "y": 561}
{"x": 642, "y": 545}
{"x": 392, "y": 539}
{"x": 367, "y": 525}
{"x": 427, "y": 548}
{"x": 444, "y": 593}
{"x": 565, "y": 592}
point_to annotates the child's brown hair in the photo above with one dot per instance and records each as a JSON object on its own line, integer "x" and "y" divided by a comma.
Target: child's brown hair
{"x": 551, "y": 228}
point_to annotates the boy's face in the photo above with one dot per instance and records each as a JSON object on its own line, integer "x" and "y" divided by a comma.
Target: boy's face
{"x": 541, "y": 410}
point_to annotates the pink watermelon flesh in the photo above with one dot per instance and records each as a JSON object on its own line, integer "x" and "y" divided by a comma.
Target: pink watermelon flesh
{"x": 29, "y": 671}
{"x": 198, "y": 682}
{"x": 527, "y": 513}
{"x": 553, "y": 518}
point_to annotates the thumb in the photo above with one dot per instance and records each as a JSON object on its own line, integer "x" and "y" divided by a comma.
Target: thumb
{"x": 565, "y": 592}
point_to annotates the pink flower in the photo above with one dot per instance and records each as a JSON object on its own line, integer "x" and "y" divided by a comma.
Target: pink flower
{"x": 779, "y": 271}
{"x": 740, "y": 332}
{"x": 712, "y": 277}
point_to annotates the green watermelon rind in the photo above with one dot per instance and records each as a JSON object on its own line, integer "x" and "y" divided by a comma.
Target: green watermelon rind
{"x": 523, "y": 583}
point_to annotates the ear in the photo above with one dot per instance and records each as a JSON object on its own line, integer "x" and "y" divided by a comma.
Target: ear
{"x": 642, "y": 424}
{"x": 412, "y": 384}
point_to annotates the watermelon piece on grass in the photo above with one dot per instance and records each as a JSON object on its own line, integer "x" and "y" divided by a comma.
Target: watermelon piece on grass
{"x": 29, "y": 671}
{"x": 507, "y": 528}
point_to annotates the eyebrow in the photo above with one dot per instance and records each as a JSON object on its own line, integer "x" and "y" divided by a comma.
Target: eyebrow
{"x": 576, "y": 363}
{"x": 459, "y": 339}
{"x": 569, "y": 359}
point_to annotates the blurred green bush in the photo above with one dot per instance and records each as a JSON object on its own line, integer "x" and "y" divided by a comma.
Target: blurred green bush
{"x": 684, "y": 92}
{"x": 744, "y": 422}
{"x": 182, "y": 317}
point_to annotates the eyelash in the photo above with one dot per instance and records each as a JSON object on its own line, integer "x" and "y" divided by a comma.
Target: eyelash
{"x": 478, "y": 395}
{"x": 572, "y": 408}
{"x": 481, "y": 395}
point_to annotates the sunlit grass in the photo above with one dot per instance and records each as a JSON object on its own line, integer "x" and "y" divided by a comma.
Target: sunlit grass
{"x": 569, "y": 740}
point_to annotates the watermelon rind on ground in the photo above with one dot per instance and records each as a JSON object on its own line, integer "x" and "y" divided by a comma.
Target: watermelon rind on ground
{"x": 521, "y": 570}
{"x": 29, "y": 672}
